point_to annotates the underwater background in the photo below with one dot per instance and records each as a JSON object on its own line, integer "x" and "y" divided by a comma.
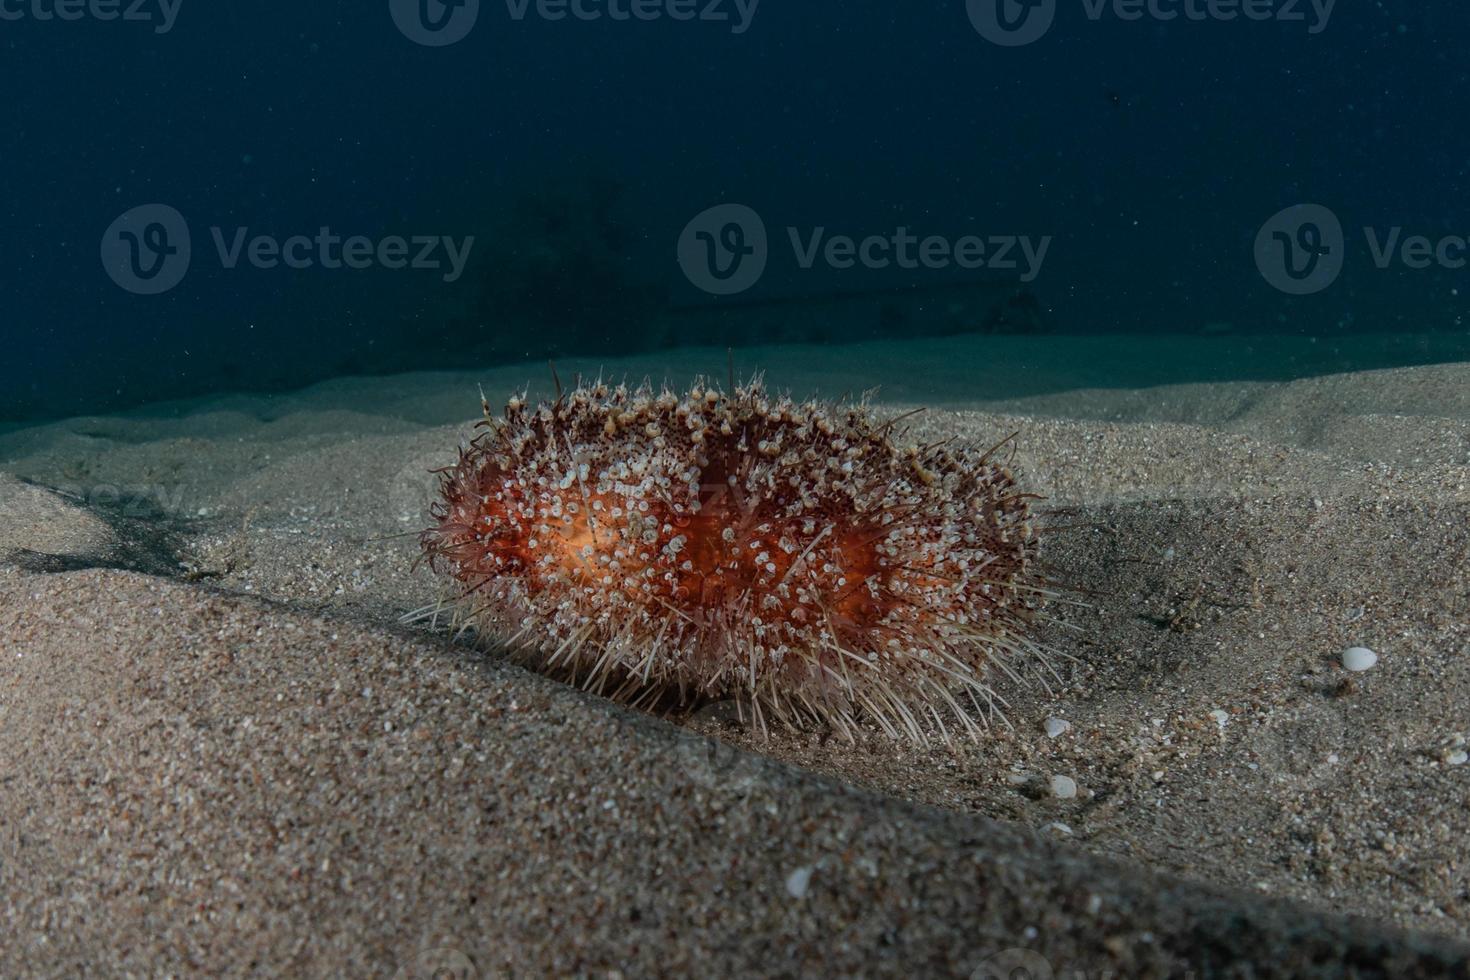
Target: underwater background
{"x": 207, "y": 198}
{"x": 1187, "y": 275}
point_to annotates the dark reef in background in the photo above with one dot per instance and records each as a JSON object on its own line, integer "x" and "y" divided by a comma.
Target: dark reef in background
{"x": 562, "y": 270}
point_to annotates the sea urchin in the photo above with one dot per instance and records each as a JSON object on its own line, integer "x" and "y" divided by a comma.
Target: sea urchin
{"x": 788, "y": 556}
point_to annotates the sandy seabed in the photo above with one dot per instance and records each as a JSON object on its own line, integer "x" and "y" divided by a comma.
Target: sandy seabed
{"x": 221, "y": 752}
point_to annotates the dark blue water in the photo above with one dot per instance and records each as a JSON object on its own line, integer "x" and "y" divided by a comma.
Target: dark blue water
{"x": 1117, "y": 173}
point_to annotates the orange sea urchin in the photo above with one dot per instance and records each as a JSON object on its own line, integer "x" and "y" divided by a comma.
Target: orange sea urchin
{"x": 788, "y": 556}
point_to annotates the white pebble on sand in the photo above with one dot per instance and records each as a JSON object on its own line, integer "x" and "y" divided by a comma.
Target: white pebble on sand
{"x": 1056, "y": 726}
{"x": 1221, "y": 717}
{"x": 797, "y": 882}
{"x": 1063, "y": 787}
{"x": 1359, "y": 658}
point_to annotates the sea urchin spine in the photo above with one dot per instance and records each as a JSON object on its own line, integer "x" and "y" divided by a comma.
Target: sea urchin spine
{"x": 788, "y": 556}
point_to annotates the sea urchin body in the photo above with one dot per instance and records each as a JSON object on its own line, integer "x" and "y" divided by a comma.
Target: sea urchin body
{"x": 788, "y": 556}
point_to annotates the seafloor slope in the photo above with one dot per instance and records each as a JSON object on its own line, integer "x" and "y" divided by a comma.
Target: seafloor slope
{"x": 218, "y": 752}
